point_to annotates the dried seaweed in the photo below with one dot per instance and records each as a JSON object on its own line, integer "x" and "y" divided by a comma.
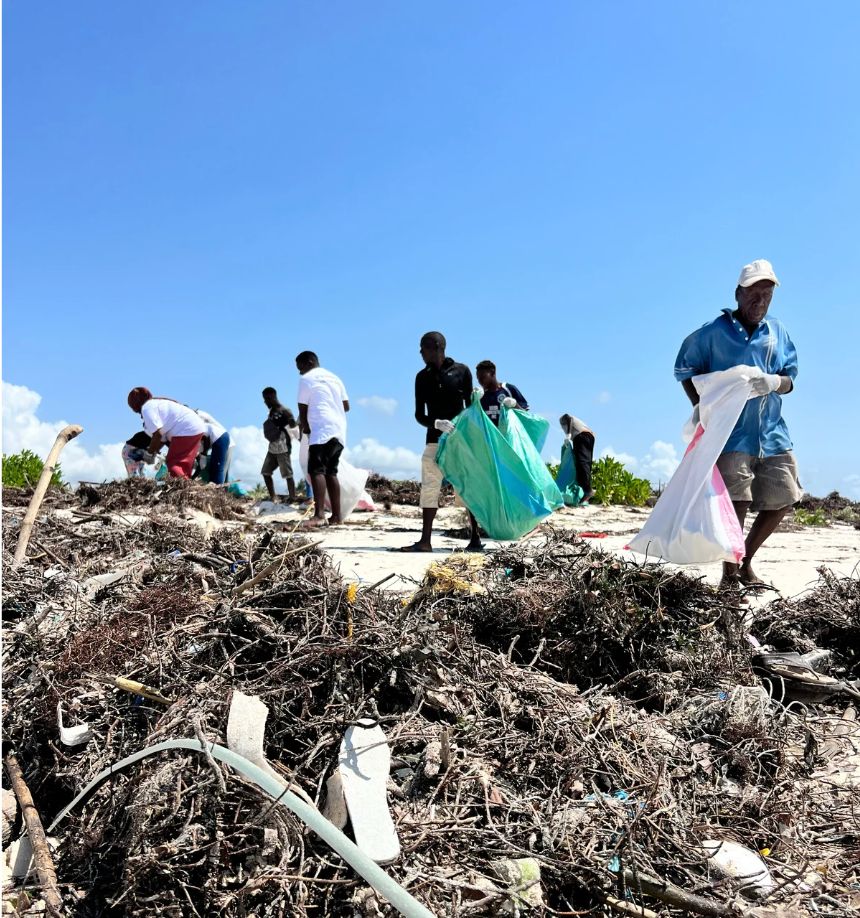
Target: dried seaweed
{"x": 596, "y": 715}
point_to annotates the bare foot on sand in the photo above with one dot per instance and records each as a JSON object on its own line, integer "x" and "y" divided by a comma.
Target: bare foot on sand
{"x": 315, "y": 522}
{"x": 751, "y": 581}
{"x": 418, "y": 548}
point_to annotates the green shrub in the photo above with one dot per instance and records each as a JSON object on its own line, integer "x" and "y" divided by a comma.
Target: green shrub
{"x": 810, "y": 517}
{"x": 22, "y": 470}
{"x": 552, "y": 468}
{"x": 613, "y": 484}
{"x": 847, "y": 515}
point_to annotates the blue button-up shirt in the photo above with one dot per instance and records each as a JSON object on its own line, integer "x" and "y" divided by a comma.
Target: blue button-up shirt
{"x": 724, "y": 343}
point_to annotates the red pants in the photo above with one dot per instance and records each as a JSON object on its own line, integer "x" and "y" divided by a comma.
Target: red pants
{"x": 181, "y": 455}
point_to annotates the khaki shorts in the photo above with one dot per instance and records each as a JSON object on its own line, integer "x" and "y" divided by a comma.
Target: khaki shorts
{"x": 770, "y": 483}
{"x": 431, "y": 478}
{"x": 280, "y": 461}
{"x": 431, "y": 481}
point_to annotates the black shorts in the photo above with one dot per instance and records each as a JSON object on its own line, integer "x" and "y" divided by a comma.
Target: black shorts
{"x": 324, "y": 457}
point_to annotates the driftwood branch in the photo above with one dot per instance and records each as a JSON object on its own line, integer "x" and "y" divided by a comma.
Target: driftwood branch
{"x": 63, "y": 437}
{"x": 41, "y": 852}
{"x": 674, "y": 895}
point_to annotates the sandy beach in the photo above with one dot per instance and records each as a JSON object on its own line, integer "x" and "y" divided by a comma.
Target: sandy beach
{"x": 362, "y": 546}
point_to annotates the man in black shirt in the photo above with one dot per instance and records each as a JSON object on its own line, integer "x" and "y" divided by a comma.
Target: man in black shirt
{"x": 442, "y": 390}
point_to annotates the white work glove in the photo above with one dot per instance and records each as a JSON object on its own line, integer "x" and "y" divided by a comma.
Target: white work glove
{"x": 764, "y": 385}
{"x": 509, "y": 402}
{"x": 148, "y": 458}
{"x": 443, "y": 425}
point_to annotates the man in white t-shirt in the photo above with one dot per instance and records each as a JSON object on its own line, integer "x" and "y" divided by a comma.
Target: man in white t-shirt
{"x": 323, "y": 404}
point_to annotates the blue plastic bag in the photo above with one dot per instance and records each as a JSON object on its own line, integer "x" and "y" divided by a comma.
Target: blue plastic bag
{"x": 571, "y": 492}
{"x": 497, "y": 472}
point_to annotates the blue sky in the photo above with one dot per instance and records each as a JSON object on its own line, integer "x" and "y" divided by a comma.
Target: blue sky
{"x": 194, "y": 193}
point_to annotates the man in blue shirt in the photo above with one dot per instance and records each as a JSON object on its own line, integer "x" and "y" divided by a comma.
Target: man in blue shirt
{"x": 757, "y": 463}
{"x": 497, "y": 393}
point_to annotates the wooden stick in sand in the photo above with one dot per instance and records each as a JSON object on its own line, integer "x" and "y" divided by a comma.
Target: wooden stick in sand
{"x": 63, "y": 437}
{"x": 36, "y": 832}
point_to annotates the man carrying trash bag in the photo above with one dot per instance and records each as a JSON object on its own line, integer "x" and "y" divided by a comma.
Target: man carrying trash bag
{"x": 498, "y": 471}
{"x": 757, "y": 463}
{"x": 442, "y": 390}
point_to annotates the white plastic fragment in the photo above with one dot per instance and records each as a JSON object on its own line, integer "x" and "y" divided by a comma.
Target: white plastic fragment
{"x": 72, "y": 736}
{"x": 246, "y": 727}
{"x": 335, "y": 804}
{"x": 10, "y": 811}
{"x": 521, "y": 877}
{"x": 92, "y": 585}
{"x": 364, "y": 765}
{"x": 732, "y": 860}
{"x": 19, "y": 856}
{"x": 402, "y": 900}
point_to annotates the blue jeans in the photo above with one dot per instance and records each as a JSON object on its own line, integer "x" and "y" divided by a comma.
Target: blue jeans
{"x": 218, "y": 458}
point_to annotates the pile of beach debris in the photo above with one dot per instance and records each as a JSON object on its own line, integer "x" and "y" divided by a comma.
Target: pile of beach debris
{"x": 570, "y": 734}
{"x": 387, "y": 492}
{"x": 832, "y": 509}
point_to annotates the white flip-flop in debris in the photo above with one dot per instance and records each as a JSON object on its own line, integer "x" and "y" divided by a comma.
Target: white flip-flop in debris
{"x": 363, "y": 767}
{"x": 246, "y": 727}
{"x": 72, "y": 736}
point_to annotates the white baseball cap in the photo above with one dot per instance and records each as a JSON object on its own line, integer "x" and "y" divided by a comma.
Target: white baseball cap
{"x": 760, "y": 269}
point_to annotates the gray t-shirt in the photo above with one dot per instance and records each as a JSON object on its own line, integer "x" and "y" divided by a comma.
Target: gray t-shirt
{"x": 578, "y": 426}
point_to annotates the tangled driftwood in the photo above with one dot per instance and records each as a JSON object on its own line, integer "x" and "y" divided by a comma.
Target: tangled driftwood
{"x": 549, "y": 703}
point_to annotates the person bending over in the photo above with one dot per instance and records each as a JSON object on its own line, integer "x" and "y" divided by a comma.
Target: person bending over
{"x": 167, "y": 420}
{"x": 582, "y": 443}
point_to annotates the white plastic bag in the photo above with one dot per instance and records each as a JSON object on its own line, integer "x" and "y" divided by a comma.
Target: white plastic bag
{"x": 352, "y": 483}
{"x": 694, "y": 521}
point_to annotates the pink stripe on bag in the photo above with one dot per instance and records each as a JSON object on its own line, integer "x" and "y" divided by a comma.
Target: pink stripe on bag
{"x": 728, "y": 517}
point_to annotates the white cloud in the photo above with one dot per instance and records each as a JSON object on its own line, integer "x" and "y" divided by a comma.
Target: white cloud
{"x": 22, "y": 429}
{"x": 630, "y": 462}
{"x": 660, "y": 463}
{"x": 603, "y": 397}
{"x": 249, "y": 451}
{"x": 657, "y": 465}
{"x": 379, "y": 404}
{"x": 391, "y": 461}
{"x": 851, "y": 487}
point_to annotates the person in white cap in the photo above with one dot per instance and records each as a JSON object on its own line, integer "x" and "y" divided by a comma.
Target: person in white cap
{"x": 757, "y": 463}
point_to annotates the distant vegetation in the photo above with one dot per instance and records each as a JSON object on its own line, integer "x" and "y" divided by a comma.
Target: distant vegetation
{"x": 22, "y": 470}
{"x": 613, "y": 484}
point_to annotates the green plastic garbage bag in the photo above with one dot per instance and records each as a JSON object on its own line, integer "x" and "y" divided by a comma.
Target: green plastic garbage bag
{"x": 520, "y": 437}
{"x": 499, "y": 476}
{"x": 535, "y": 426}
{"x": 571, "y": 492}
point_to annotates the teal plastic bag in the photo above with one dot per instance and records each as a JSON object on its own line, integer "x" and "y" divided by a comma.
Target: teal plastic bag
{"x": 512, "y": 428}
{"x": 571, "y": 492}
{"x": 535, "y": 426}
{"x": 499, "y": 476}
